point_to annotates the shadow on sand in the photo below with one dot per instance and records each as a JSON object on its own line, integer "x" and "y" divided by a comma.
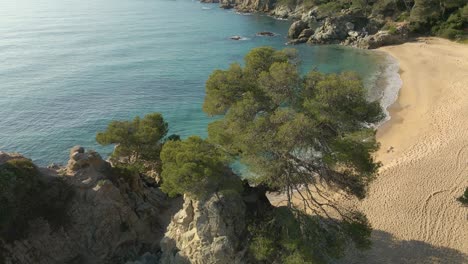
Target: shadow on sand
{"x": 389, "y": 250}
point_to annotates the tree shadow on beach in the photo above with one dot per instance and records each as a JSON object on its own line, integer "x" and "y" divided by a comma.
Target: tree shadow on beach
{"x": 387, "y": 249}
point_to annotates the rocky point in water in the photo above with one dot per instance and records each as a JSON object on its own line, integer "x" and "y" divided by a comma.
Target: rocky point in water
{"x": 312, "y": 25}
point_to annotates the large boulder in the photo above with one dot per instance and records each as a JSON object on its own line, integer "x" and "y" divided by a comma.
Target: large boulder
{"x": 296, "y": 28}
{"x": 207, "y": 232}
{"x": 398, "y": 35}
{"x": 333, "y": 30}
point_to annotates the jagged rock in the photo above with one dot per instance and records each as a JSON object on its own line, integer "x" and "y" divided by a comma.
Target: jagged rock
{"x": 207, "y": 232}
{"x": 333, "y": 30}
{"x": 306, "y": 33}
{"x": 108, "y": 220}
{"x": 281, "y": 11}
{"x": 382, "y": 38}
{"x": 296, "y": 29}
{"x": 80, "y": 160}
{"x": 5, "y": 157}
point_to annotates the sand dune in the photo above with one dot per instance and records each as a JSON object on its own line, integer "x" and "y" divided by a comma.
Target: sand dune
{"x": 412, "y": 204}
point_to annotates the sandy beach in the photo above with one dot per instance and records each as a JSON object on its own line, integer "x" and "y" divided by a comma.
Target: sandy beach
{"x": 424, "y": 151}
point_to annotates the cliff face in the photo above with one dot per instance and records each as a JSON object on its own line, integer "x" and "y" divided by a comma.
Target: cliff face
{"x": 110, "y": 220}
{"x": 209, "y": 231}
{"x": 313, "y": 25}
{"x": 115, "y": 218}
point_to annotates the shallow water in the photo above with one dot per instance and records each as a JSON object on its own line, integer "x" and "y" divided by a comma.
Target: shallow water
{"x": 70, "y": 66}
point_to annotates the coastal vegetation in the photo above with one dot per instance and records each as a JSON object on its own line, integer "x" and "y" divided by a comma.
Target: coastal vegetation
{"x": 138, "y": 142}
{"x": 297, "y": 135}
{"x": 371, "y": 24}
{"x": 26, "y": 196}
{"x": 195, "y": 167}
{"x": 306, "y": 136}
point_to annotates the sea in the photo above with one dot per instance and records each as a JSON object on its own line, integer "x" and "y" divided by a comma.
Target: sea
{"x": 69, "y": 67}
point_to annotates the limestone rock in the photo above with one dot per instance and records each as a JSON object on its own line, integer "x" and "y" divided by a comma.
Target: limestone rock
{"x": 207, "y": 232}
{"x": 108, "y": 220}
{"x": 382, "y": 38}
{"x": 80, "y": 160}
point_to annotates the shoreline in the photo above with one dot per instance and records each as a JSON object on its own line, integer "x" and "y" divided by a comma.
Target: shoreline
{"x": 424, "y": 151}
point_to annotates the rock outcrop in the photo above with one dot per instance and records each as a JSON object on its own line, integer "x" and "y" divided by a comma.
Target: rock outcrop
{"x": 346, "y": 27}
{"x": 118, "y": 218}
{"x": 214, "y": 230}
{"x": 209, "y": 231}
{"x": 245, "y": 5}
{"x": 111, "y": 219}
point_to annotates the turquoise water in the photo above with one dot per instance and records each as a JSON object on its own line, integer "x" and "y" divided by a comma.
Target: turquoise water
{"x": 70, "y": 66}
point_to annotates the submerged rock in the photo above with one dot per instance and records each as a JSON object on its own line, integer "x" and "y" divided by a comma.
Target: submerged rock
{"x": 266, "y": 34}
{"x": 236, "y": 37}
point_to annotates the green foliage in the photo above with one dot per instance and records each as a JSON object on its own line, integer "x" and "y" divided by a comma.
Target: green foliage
{"x": 24, "y": 196}
{"x": 195, "y": 167}
{"x": 426, "y": 14}
{"x": 464, "y": 198}
{"x": 292, "y": 130}
{"x": 137, "y": 140}
{"x": 330, "y": 8}
{"x": 287, "y": 235}
{"x": 279, "y": 119}
{"x": 455, "y": 25}
{"x": 128, "y": 173}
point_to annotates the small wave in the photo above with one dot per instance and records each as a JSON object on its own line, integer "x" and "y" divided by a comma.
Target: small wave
{"x": 244, "y": 14}
{"x": 206, "y": 8}
{"x": 279, "y": 18}
{"x": 392, "y": 82}
{"x": 238, "y": 38}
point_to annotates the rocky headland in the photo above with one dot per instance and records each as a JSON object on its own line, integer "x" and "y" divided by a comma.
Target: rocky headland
{"x": 110, "y": 217}
{"x": 366, "y": 25}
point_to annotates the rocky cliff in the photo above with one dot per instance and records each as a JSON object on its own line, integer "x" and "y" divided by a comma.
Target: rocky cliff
{"x": 311, "y": 24}
{"x": 110, "y": 219}
{"x": 119, "y": 218}
{"x": 209, "y": 231}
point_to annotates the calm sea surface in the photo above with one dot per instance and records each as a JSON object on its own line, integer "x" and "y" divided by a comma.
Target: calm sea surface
{"x": 68, "y": 67}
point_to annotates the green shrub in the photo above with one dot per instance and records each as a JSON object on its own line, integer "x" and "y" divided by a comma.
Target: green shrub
{"x": 289, "y": 236}
{"x": 464, "y": 198}
{"x": 454, "y": 27}
{"x": 24, "y": 196}
{"x": 195, "y": 167}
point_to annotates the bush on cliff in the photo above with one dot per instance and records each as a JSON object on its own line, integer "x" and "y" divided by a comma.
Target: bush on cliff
{"x": 138, "y": 140}
{"x": 25, "y": 196}
{"x": 195, "y": 167}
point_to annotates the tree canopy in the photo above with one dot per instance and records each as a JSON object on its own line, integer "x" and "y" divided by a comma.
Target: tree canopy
{"x": 24, "y": 196}
{"x": 139, "y": 139}
{"x": 195, "y": 167}
{"x": 293, "y": 131}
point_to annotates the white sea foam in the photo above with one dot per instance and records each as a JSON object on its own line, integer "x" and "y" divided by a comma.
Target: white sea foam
{"x": 391, "y": 80}
{"x": 243, "y": 13}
